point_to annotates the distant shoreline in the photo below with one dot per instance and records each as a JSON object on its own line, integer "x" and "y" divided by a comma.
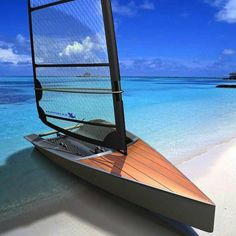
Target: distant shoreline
{"x": 132, "y": 76}
{"x": 229, "y": 86}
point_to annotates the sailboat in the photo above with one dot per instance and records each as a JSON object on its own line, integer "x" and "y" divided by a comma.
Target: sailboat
{"x": 79, "y": 96}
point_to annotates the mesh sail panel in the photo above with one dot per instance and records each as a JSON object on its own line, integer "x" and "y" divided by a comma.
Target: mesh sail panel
{"x": 74, "y": 80}
{"x": 70, "y": 33}
{"x": 58, "y": 77}
{"x": 77, "y": 93}
{"x": 36, "y": 3}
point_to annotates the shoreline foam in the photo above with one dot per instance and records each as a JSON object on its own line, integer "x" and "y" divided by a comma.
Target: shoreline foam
{"x": 205, "y": 151}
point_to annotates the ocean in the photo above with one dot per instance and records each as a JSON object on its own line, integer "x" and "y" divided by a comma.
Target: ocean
{"x": 180, "y": 117}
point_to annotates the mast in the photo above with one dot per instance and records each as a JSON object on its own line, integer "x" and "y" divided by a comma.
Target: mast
{"x": 115, "y": 69}
{"x": 111, "y": 135}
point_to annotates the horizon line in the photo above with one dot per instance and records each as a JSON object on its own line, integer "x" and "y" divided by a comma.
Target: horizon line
{"x": 150, "y": 76}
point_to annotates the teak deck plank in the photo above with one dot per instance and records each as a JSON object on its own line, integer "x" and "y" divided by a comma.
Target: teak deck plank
{"x": 168, "y": 170}
{"x": 107, "y": 167}
{"x": 145, "y": 165}
{"x": 118, "y": 170}
{"x": 173, "y": 180}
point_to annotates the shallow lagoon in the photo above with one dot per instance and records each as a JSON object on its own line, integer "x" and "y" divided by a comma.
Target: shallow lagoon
{"x": 181, "y": 117}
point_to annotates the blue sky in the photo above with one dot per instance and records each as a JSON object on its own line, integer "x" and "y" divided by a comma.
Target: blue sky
{"x": 157, "y": 38}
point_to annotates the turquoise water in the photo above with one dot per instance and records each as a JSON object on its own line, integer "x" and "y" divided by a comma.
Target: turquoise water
{"x": 180, "y": 117}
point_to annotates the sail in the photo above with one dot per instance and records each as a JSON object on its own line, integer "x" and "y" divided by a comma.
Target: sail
{"x": 76, "y": 71}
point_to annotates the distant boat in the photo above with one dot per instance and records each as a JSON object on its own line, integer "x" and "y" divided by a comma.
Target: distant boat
{"x": 232, "y": 76}
{"x": 70, "y": 38}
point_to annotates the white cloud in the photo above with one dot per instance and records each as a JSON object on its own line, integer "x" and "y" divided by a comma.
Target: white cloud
{"x": 78, "y": 48}
{"x": 147, "y": 5}
{"x": 131, "y": 8}
{"x": 126, "y": 10}
{"x": 90, "y": 49}
{"x": 228, "y": 51}
{"x": 9, "y": 56}
{"x": 228, "y": 12}
{"x": 85, "y": 47}
{"x": 15, "y": 52}
{"x": 4, "y": 44}
{"x": 174, "y": 67}
{"x": 216, "y": 3}
{"x": 20, "y": 39}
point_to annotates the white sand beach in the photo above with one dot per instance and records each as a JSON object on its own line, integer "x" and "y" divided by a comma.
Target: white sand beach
{"x": 215, "y": 173}
{"x": 86, "y": 210}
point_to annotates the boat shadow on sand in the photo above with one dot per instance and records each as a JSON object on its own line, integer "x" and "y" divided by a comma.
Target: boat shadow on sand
{"x": 33, "y": 189}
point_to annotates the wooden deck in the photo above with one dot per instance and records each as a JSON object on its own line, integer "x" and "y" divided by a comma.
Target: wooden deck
{"x": 145, "y": 165}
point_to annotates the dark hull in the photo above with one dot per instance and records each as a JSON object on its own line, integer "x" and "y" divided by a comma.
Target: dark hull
{"x": 182, "y": 209}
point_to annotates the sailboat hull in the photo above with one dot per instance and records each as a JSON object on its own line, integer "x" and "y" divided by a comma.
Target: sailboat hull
{"x": 197, "y": 211}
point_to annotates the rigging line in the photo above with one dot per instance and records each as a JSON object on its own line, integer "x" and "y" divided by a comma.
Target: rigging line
{"x": 81, "y": 121}
{"x": 92, "y": 89}
{"x": 56, "y": 132}
{"x": 74, "y": 65}
{"x": 74, "y": 91}
{"x": 49, "y": 5}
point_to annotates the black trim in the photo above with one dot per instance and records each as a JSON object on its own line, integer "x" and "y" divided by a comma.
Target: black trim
{"x": 115, "y": 72}
{"x": 80, "y": 121}
{"x": 36, "y": 82}
{"x": 49, "y": 5}
{"x": 74, "y": 65}
{"x": 38, "y": 88}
